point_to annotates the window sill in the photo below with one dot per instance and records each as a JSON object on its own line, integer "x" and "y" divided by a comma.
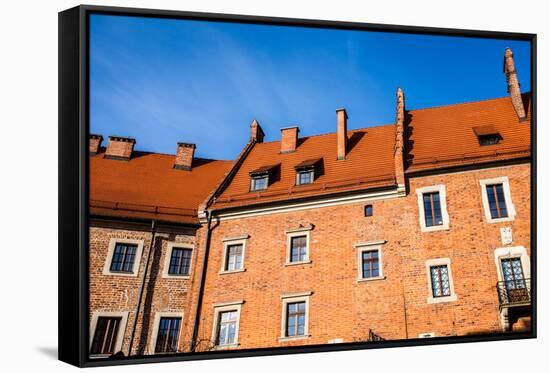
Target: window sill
{"x": 450, "y": 298}
{"x": 500, "y": 220}
{"x": 233, "y": 271}
{"x": 434, "y": 228}
{"x": 371, "y": 279}
{"x": 225, "y": 347}
{"x": 176, "y": 277}
{"x": 297, "y": 338}
{"x": 122, "y": 274}
{"x": 297, "y": 263}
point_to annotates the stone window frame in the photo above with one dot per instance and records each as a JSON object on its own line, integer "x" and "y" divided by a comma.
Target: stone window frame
{"x": 235, "y": 305}
{"x": 443, "y": 204}
{"x": 177, "y": 245}
{"x": 510, "y": 208}
{"x": 293, "y": 298}
{"x": 438, "y": 262}
{"x": 370, "y": 246}
{"x": 297, "y": 232}
{"x": 155, "y": 331}
{"x": 427, "y": 335}
{"x": 121, "y": 330}
{"x": 233, "y": 241}
{"x": 309, "y": 170}
{"x": 513, "y": 252}
{"x": 111, "y": 250}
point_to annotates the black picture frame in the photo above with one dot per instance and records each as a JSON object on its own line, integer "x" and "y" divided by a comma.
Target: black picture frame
{"x": 73, "y": 182}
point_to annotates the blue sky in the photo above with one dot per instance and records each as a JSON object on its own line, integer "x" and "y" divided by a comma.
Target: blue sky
{"x": 163, "y": 81}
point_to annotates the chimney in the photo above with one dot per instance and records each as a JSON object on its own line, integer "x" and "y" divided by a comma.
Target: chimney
{"x": 342, "y": 132}
{"x": 184, "y": 156}
{"x": 256, "y": 131}
{"x": 120, "y": 148}
{"x": 399, "y": 139}
{"x": 95, "y": 143}
{"x": 289, "y": 139}
{"x": 513, "y": 84}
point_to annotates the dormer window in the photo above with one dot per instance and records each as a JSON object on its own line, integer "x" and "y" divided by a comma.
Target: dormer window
{"x": 304, "y": 177}
{"x": 305, "y": 171}
{"x": 487, "y": 135}
{"x": 259, "y": 182}
{"x": 261, "y": 177}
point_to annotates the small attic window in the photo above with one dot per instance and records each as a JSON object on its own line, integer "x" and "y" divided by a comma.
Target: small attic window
{"x": 259, "y": 178}
{"x": 487, "y": 135}
{"x": 305, "y": 171}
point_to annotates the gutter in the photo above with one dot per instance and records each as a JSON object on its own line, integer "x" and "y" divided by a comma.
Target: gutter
{"x": 202, "y": 279}
{"x": 142, "y": 286}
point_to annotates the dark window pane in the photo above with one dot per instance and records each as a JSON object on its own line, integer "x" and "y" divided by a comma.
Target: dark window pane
{"x": 298, "y": 249}
{"x": 370, "y": 264}
{"x": 123, "y": 258}
{"x": 295, "y": 319}
{"x": 105, "y": 336}
{"x": 368, "y": 210}
{"x": 440, "y": 281}
{"x": 180, "y": 262}
{"x": 432, "y": 209}
{"x": 168, "y": 335}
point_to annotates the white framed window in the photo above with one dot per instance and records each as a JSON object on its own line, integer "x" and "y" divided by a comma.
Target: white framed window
{"x": 295, "y": 316}
{"x": 440, "y": 281}
{"x": 305, "y": 176}
{"x": 123, "y": 257}
{"x": 497, "y": 200}
{"x": 507, "y": 254}
{"x": 167, "y": 328}
{"x": 369, "y": 261}
{"x": 297, "y": 246}
{"x": 177, "y": 261}
{"x": 107, "y": 329}
{"x": 233, "y": 254}
{"x": 259, "y": 182}
{"x": 227, "y": 317}
{"x": 432, "y": 208}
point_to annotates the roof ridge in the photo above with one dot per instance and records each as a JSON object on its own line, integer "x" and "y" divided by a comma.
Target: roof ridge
{"x": 464, "y": 103}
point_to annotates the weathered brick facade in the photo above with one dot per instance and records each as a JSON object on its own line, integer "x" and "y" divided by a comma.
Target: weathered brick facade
{"x": 389, "y": 168}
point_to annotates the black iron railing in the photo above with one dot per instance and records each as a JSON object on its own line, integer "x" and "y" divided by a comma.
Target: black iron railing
{"x": 513, "y": 292}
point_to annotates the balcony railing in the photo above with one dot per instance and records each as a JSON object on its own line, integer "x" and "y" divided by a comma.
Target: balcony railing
{"x": 514, "y": 292}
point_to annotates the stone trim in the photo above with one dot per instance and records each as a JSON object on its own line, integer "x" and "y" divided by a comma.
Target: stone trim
{"x": 121, "y": 329}
{"x": 178, "y": 245}
{"x": 235, "y": 241}
{"x": 223, "y": 307}
{"x": 155, "y": 331}
{"x": 291, "y": 298}
{"x": 110, "y": 251}
{"x": 510, "y": 208}
{"x": 448, "y": 298}
{"x": 443, "y": 203}
{"x": 370, "y": 246}
{"x": 289, "y": 236}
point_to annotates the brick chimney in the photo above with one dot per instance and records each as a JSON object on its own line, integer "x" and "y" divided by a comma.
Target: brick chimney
{"x": 342, "y": 133}
{"x": 120, "y": 148}
{"x": 95, "y": 143}
{"x": 289, "y": 139}
{"x": 256, "y": 131}
{"x": 513, "y": 84}
{"x": 399, "y": 139}
{"x": 184, "y": 156}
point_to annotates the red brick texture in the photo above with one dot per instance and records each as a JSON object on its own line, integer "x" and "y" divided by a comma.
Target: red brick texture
{"x": 118, "y": 293}
{"x": 120, "y": 147}
{"x": 184, "y": 156}
{"x": 395, "y": 307}
{"x": 289, "y": 139}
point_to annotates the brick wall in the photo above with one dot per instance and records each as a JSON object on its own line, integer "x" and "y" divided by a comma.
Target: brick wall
{"x": 118, "y": 293}
{"x": 395, "y": 307}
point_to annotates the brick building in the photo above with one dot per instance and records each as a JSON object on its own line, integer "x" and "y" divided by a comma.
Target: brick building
{"x": 419, "y": 228}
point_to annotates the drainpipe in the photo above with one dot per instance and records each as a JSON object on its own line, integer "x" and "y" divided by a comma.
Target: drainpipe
{"x": 142, "y": 287}
{"x": 202, "y": 279}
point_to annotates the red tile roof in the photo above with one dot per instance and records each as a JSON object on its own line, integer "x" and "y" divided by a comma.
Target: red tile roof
{"x": 369, "y": 163}
{"x": 148, "y": 187}
{"x": 444, "y": 136}
{"x": 435, "y": 138}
